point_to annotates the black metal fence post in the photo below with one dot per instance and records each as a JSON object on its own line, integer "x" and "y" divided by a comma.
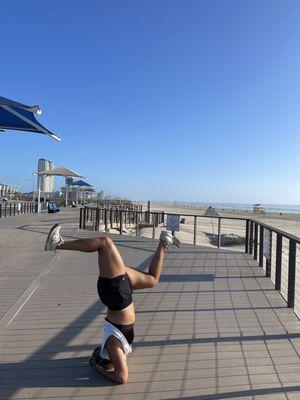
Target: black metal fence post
{"x": 195, "y": 230}
{"x": 269, "y": 258}
{"x": 84, "y": 218}
{"x": 148, "y": 210}
{"x": 121, "y": 222}
{"x": 111, "y": 218}
{"x": 251, "y": 238}
{"x": 106, "y": 220}
{"x": 261, "y": 246}
{"x": 278, "y": 262}
{"x": 137, "y": 224}
{"x": 80, "y": 218}
{"x": 153, "y": 224}
{"x": 219, "y": 232}
{"x": 291, "y": 273}
{"x": 247, "y": 237}
{"x": 255, "y": 240}
{"x": 97, "y": 220}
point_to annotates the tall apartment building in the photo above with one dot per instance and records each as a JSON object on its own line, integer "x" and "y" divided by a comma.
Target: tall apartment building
{"x": 101, "y": 195}
{"x": 47, "y": 182}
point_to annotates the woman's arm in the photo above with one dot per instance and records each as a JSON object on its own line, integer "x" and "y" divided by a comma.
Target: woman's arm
{"x": 111, "y": 375}
{"x": 119, "y": 374}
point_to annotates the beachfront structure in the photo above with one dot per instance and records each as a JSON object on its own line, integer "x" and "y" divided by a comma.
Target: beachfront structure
{"x": 58, "y": 171}
{"x": 101, "y": 195}
{"x": 78, "y": 191}
{"x": 47, "y": 182}
{"x": 257, "y": 208}
{"x": 76, "y": 194}
{"x": 72, "y": 194}
{"x": 7, "y": 189}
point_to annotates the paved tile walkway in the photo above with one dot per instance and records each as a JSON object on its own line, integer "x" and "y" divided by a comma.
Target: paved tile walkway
{"x": 214, "y": 328}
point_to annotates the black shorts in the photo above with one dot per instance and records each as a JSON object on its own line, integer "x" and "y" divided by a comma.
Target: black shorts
{"x": 127, "y": 330}
{"x": 115, "y": 293}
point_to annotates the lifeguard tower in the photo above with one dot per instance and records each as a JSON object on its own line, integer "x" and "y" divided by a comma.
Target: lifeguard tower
{"x": 257, "y": 208}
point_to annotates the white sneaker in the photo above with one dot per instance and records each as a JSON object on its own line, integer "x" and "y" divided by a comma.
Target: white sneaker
{"x": 54, "y": 239}
{"x": 167, "y": 239}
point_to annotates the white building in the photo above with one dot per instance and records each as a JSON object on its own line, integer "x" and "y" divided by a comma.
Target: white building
{"x": 6, "y": 189}
{"x": 47, "y": 182}
{"x": 101, "y": 195}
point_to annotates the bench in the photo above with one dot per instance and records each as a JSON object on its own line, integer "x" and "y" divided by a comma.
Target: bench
{"x": 52, "y": 208}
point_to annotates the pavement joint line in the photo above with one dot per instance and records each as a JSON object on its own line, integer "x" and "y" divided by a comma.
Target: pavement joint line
{"x": 14, "y": 310}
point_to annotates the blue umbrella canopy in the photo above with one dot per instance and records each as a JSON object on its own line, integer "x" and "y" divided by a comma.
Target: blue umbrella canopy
{"x": 89, "y": 190}
{"x": 17, "y": 116}
{"x": 81, "y": 183}
{"x": 83, "y": 186}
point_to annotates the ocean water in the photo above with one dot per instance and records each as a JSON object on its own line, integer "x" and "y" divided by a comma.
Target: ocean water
{"x": 271, "y": 208}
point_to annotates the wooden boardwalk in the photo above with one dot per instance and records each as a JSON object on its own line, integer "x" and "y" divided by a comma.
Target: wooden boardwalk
{"x": 214, "y": 328}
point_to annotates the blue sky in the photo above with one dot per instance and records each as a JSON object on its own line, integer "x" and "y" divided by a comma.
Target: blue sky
{"x": 162, "y": 99}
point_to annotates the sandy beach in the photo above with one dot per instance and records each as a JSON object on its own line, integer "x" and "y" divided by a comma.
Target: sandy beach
{"x": 206, "y": 226}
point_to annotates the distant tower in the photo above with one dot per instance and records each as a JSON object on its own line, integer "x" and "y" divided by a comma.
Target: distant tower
{"x": 101, "y": 195}
{"x": 47, "y": 182}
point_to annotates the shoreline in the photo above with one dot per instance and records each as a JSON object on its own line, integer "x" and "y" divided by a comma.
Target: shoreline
{"x": 239, "y": 208}
{"x": 289, "y": 222}
{"x": 200, "y": 210}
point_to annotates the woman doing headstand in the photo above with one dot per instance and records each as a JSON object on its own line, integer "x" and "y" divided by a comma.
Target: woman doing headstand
{"x": 115, "y": 285}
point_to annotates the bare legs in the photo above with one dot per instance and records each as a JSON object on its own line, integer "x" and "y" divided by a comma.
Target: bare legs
{"x": 157, "y": 261}
{"x": 111, "y": 263}
{"x": 142, "y": 280}
{"x": 85, "y": 245}
{"x": 109, "y": 259}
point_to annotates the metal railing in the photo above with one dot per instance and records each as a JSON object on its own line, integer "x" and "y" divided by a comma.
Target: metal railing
{"x": 278, "y": 257}
{"x": 18, "y": 208}
{"x": 276, "y": 251}
{"x": 118, "y": 218}
{"x": 93, "y": 217}
{"x": 114, "y": 205}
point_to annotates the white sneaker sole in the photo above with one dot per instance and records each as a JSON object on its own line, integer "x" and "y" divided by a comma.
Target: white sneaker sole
{"x": 173, "y": 240}
{"x": 49, "y": 237}
{"x": 176, "y": 241}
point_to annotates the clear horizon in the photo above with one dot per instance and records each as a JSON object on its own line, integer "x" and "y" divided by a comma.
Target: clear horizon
{"x": 162, "y": 100}
{"x": 216, "y": 202}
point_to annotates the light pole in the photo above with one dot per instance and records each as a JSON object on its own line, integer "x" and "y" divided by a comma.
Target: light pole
{"x": 38, "y": 209}
{"x": 33, "y": 186}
